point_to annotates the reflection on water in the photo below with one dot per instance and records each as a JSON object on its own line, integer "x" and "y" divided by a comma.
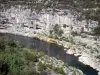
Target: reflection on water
{"x": 54, "y": 50}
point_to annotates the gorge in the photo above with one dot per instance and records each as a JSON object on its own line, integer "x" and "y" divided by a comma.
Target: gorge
{"x": 57, "y": 22}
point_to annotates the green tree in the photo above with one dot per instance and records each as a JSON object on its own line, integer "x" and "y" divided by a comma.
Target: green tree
{"x": 57, "y": 30}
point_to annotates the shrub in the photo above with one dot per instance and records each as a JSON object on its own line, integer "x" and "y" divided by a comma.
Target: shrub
{"x": 42, "y": 67}
{"x": 60, "y": 70}
{"x": 2, "y": 45}
{"x": 97, "y": 31}
{"x": 98, "y": 56}
{"x": 4, "y": 68}
{"x": 74, "y": 33}
{"x": 31, "y": 57}
{"x": 58, "y": 30}
{"x": 71, "y": 40}
{"x": 64, "y": 25}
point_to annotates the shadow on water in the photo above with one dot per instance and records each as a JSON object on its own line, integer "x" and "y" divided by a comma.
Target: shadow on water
{"x": 54, "y": 50}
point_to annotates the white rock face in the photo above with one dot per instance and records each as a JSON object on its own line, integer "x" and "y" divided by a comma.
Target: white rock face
{"x": 21, "y": 17}
{"x": 22, "y": 21}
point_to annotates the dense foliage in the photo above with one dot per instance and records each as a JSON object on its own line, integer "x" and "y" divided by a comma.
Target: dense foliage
{"x": 11, "y": 52}
{"x": 15, "y": 60}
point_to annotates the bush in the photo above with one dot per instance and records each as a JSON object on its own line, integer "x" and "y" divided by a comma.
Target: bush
{"x": 98, "y": 56}
{"x": 64, "y": 25}
{"x": 58, "y": 30}
{"x": 2, "y": 45}
{"x": 60, "y": 70}
{"x": 4, "y": 68}
{"x": 71, "y": 40}
{"x": 97, "y": 31}
{"x": 74, "y": 33}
